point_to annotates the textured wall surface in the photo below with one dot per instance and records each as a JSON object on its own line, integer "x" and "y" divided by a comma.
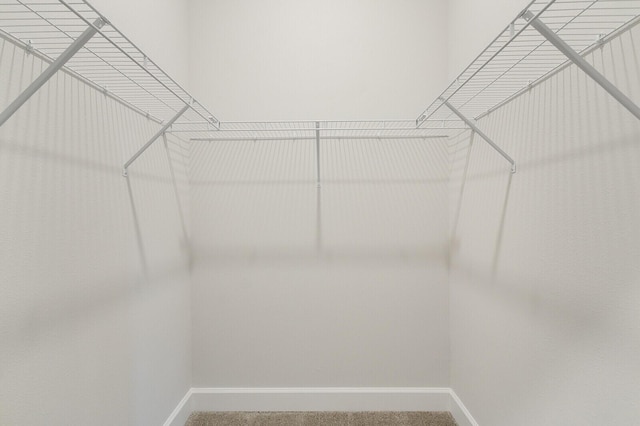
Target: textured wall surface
{"x": 95, "y": 307}
{"x": 345, "y": 286}
{"x": 545, "y": 326}
{"x": 342, "y": 287}
{"x": 328, "y": 60}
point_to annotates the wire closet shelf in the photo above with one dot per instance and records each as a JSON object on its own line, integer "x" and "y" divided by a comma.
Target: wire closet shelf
{"x": 108, "y": 61}
{"x": 520, "y": 56}
{"x": 320, "y": 130}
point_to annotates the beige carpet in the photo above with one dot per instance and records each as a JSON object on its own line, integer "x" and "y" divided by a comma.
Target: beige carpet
{"x": 287, "y": 418}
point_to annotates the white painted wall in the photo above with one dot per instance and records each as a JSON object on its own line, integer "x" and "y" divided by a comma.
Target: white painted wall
{"x": 355, "y": 295}
{"x": 348, "y": 291}
{"x": 87, "y": 338}
{"x": 544, "y": 276}
{"x": 336, "y": 59}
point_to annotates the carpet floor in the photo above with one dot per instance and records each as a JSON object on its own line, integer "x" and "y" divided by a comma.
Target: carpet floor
{"x": 312, "y": 418}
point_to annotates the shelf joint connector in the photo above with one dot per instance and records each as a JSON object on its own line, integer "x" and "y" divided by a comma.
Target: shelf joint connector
{"x": 480, "y": 133}
{"x": 579, "y": 61}
{"x": 159, "y": 133}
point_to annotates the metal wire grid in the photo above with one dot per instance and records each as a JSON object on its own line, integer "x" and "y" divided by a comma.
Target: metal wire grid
{"x": 306, "y": 130}
{"x": 520, "y": 56}
{"x": 109, "y": 60}
{"x": 515, "y": 60}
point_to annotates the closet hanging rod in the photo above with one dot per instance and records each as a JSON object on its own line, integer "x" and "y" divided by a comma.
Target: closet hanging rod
{"x": 326, "y": 129}
{"x": 382, "y": 121}
{"x": 271, "y": 125}
{"x": 313, "y": 138}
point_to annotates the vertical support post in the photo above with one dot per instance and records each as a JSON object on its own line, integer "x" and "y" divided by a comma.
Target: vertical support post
{"x": 153, "y": 138}
{"x": 481, "y": 134}
{"x": 318, "y": 153}
{"x": 51, "y": 70}
{"x": 575, "y": 57}
{"x": 318, "y": 191}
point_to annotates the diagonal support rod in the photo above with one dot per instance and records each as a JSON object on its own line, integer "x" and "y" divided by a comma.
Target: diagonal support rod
{"x": 51, "y": 70}
{"x": 154, "y": 138}
{"x": 480, "y": 133}
{"x": 575, "y": 57}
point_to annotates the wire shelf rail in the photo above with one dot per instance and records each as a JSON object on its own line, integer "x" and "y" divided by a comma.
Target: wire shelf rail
{"x": 309, "y": 129}
{"x": 521, "y": 56}
{"x": 549, "y": 34}
{"x": 108, "y": 61}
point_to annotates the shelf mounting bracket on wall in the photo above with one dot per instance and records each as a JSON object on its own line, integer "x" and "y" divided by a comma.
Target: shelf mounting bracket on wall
{"x": 154, "y": 138}
{"x": 575, "y": 57}
{"x": 480, "y": 133}
{"x": 51, "y": 70}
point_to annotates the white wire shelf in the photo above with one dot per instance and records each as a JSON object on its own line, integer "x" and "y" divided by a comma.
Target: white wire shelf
{"x": 109, "y": 61}
{"x": 309, "y": 130}
{"x": 520, "y": 56}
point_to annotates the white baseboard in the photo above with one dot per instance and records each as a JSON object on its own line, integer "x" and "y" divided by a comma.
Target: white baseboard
{"x": 320, "y": 399}
{"x": 181, "y": 413}
{"x": 459, "y": 412}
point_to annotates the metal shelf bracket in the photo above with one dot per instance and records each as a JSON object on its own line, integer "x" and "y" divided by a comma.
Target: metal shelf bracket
{"x": 480, "y": 133}
{"x": 159, "y": 133}
{"x": 575, "y": 57}
{"x": 51, "y": 70}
